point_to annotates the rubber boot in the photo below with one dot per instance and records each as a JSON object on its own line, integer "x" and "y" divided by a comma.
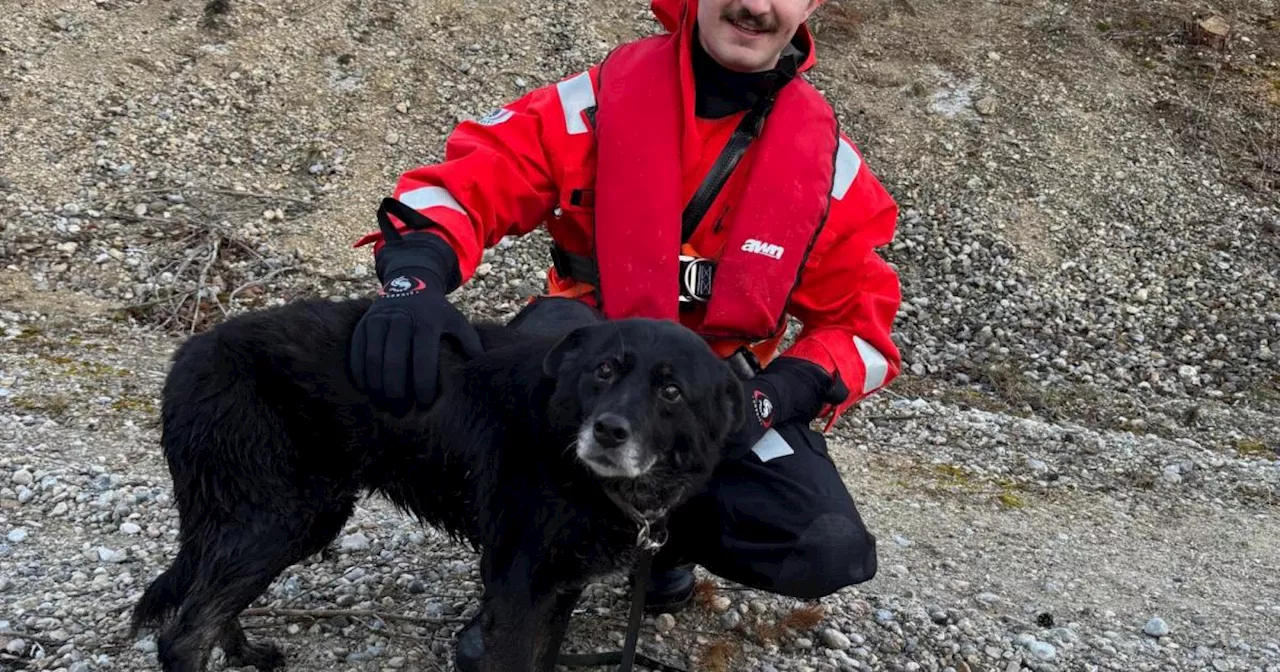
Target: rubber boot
{"x": 668, "y": 590}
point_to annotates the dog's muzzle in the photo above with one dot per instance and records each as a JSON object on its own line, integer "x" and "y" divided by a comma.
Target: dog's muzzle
{"x": 607, "y": 445}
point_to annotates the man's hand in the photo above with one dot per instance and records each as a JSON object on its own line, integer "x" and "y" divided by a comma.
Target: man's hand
{"x": 395, "y": 350}
{"x": 789, "y": 390}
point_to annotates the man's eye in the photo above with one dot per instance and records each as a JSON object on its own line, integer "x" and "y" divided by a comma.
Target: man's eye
{"x": 671, "y": 393}
{"x": 605, "y": 371}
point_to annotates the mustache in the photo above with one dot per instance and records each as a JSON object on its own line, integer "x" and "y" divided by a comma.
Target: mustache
{"x": 744, "y": 17}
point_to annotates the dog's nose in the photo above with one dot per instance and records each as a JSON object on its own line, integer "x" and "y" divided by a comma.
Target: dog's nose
{"x": 611, "y": 430}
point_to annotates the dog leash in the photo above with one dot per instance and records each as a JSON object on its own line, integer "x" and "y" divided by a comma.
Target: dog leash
{"x": 649, "y": 544}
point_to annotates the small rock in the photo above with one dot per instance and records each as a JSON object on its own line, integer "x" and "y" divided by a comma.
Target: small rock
{"x": 1156, "y": 627}
{"x": 986, "y": 106}
{"x": 108, "y": 555}
{"x": 731, "y": 619}
{"x": 140, "y": 209}
{"x": 147, "y": 645}
{"x": 987, "y": 599}
{"x": 1043, "y": 650}
{"x": 402, "y": 108}
{"x": 22, "y": 477}
{"x": 130, "y": 528}
{"x": 392, "y": 138}
{"x": 17, "y": 535}
{"x": 834, "y": 639}
{"x": 16, "y": 646}
{"x": 902, "y": 541}
{"x": 664, "y": 623}
{"x": 884, "y": 616}
{"x": 5, "y": 583}
{"x": 354, "y": 542}
{"x": 721, "y": 604}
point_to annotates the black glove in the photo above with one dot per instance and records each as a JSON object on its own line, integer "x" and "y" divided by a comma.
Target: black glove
{"x": 789, "y": 389}
{"x": 395, "y": 350}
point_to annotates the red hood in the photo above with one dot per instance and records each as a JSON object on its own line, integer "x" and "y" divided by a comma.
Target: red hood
{"x": 682, "y": 14}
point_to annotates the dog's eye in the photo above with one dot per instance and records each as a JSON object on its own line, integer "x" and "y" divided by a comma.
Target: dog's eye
{"x": 671, "y": 393}
{"x": 605, "y": 371}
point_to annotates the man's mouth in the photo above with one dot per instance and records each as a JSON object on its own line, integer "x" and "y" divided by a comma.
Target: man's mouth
{"x": 748, "y": 27}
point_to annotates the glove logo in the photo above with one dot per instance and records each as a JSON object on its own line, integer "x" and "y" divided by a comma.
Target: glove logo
{"x": 763, "y": 407}
{"x": 402, "y": 286}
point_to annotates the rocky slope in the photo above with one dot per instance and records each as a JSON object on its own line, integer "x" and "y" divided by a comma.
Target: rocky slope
{"x": 1078, "y": 472}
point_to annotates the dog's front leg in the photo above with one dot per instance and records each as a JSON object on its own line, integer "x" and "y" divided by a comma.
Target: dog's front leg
{"x": 519, "y": 612}
{"x": 547, "y": 642}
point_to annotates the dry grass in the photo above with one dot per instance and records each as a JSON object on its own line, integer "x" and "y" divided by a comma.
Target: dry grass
{"x": 1223, "y": 98}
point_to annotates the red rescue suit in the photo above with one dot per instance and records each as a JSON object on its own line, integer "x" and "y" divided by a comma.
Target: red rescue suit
{"x": 608, "y": 158}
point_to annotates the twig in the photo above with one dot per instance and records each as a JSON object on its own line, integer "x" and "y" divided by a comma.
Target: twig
{"x": 352, "y": 613}
{"x": 195, "y": 314}
{"x": 232, "y": 296}
{"x": 230, "y": 192}
{"x": 154, "y": 302}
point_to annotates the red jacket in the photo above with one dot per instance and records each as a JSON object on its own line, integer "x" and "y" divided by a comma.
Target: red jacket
{"x": 532, "y": 161}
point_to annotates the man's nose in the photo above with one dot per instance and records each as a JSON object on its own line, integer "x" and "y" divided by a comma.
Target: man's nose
{"x": 611, "y": 430}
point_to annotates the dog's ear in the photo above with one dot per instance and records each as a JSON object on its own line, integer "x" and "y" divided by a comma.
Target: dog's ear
{"x": 564, "y": 349}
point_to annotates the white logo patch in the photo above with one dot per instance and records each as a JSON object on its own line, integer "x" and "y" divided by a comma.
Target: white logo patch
{"x": 495, "y": 117}
{"x": 759, "y": 247}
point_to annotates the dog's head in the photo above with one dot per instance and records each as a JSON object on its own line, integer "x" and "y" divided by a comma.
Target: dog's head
{"x": 648, "y": 400}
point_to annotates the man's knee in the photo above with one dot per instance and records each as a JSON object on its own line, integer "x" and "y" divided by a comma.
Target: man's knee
{"x": 835, "y": 552}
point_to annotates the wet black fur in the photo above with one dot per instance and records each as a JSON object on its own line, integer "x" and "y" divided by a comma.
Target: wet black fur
{"x": 269, "y": 446}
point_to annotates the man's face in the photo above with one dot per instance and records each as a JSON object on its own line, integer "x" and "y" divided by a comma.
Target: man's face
{"x": 748, "y": 35}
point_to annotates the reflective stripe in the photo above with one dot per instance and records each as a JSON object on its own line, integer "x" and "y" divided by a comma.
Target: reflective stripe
{"x": 576, "y": 96}
{"x": 771, "y": 446}
{"x": 876, "y": 365}
{"x": 430, "y": 197}
{"x": 847, "y": 164}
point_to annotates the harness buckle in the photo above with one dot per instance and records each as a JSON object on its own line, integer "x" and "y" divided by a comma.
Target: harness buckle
{"x": 696, "y": 276}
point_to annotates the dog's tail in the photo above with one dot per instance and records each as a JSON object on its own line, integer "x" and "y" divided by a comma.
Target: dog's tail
{"x": 166, "y": 593}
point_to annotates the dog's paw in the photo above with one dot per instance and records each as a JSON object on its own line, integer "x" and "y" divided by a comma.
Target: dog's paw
{"x": 262, "y": 655}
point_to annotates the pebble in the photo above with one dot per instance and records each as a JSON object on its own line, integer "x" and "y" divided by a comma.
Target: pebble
{"x": 392, "y": 138}
{"x": 112, "y": 556}
{"x": 17, "y": 535}
{"x": 664, "y": 623}
{"x": 130, "y": 528}
{"x": 1043, "y": 650}
{"x": 834, "y": 639}
{"x": 354, "y": 542}
{"x": 1156, "y": 627}
{"x": 22, "y": 477}
{"x": 720, "y": 604}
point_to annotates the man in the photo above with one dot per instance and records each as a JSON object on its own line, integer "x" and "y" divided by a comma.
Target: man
{"x": 692, "y": 176}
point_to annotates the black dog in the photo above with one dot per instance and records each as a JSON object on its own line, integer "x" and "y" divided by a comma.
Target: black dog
{"x": 541, "y": 454}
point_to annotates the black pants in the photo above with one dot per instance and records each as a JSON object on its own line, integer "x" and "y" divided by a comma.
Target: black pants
{"x": 779, "y": 519}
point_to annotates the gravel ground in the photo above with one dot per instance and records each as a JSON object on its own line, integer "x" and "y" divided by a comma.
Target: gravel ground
{"x": 1078, "y": 472}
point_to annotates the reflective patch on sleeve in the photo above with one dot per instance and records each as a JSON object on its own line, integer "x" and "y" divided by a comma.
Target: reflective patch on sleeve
{"x": 576, "y": 95}
{"x": 495, "y": 117}
{"x": 772, "y": 446}
{"x": 877, "y": 367}
{"x": 847, "y": 165}
{"x": 430, "y": 197}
